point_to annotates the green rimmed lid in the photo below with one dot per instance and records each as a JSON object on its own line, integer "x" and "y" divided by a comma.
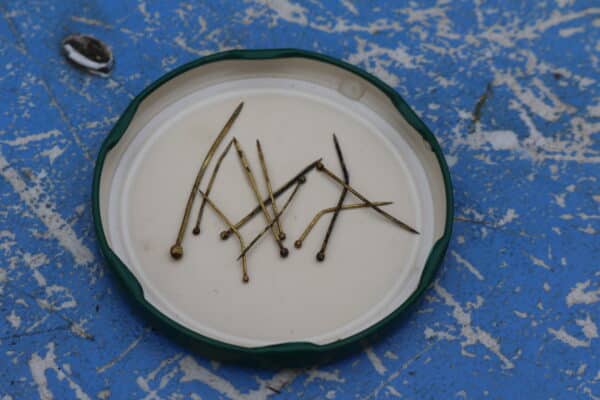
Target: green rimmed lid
{"x": 291, "y": 351}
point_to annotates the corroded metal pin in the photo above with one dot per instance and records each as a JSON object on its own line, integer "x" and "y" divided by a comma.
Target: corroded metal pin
{"x": 340, "y": 203}
{"x": 196, "y": 230}
{"x": 322, "y": 168}
{"x": 177, "y": 249}
{"x": 283, "y": 251}
{"x": 275, "y": 219}
{"x": 265, "y": 172}
{"x": 317, "y": 217}
{"x": 299, "y": 177}
{"x": 227, "y": 222}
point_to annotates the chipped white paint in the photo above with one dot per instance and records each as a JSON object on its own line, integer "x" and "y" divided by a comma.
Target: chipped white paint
{"x": 472, "y": 335}
{"x": 579, "y": 294}
{"x": 467, "y": 265}
{"x": 510, "y": 216}
{"x": 188, "y": 370}
{"x": 520, "y": 314}
{"x": 14, "y": 319}
{"x": 539, "y": 262}
{"x": 121, "y": 355}
{"x": 350, "y": 6}
{"x": 433, "y": 334}
{"x": 38, "y": 367}
{"x": 53, "y": 153}
{"x": 588, "y": 327}
{"x": 39, "y": 203}
{"x": 562, "y": 335}
{"x": 315, "y": 373}
{"x": 375, "y": 361}
{"x": 22, "y": 141}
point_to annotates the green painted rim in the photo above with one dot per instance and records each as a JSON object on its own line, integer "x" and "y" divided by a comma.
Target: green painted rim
{"x": 292, "y": 352}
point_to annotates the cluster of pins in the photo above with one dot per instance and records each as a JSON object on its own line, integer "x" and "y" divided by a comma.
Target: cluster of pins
{"x": 273, "y": 217}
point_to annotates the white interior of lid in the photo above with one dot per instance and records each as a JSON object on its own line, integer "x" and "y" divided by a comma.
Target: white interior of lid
{"x": 292, "y": 106}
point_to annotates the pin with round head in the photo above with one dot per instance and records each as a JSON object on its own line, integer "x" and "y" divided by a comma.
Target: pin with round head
{"x": 176, "y": 251}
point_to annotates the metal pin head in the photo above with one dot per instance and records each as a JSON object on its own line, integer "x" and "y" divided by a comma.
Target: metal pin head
{"x": 225, "y": 235}
{"x": 302, "y": 179}
{"x": 196, "y": 231}
{"x": 282, "y": 236}
{"x": 320, "y": 256}
{"x": 176, "y": 251}
{"x": 298, "y": 243}
{"x": 284, "y": 252}
{"x": 320, "y": 166}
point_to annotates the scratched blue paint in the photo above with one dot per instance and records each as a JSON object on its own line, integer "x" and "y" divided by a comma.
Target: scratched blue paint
{"x": 515, "y": 307}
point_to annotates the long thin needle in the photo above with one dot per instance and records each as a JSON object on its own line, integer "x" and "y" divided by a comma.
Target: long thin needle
{"x": 246, "y": 166}
{"x": 177, "y": 249}
{"x": 275, "y": 219}
{"x": 263, "y": 165}
{"x": 317, "y": 217}
{"x": 327, "y": 172}
{"x": 196, "y": 230}
{"x": 227, "y": 222}
{"x": 338, "y": 150}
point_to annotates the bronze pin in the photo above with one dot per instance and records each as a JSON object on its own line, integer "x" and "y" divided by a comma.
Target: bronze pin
{"x": 299, "y": 177}
{"x": 317, "y": 217}
{"x": 275, "y": 219}
{"x": 263, "y": 166}
{"x": 327, "y": 172}
{"x": 246, "y": 166}
{"x": 196, "y": 230}
{"x": 216, "y": 209}
{"x": 177, "y": 249}
{"x": 338, "y": 150}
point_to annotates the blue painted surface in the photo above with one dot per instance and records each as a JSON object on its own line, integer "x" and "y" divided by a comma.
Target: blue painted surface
{"x": 515, "y": 307}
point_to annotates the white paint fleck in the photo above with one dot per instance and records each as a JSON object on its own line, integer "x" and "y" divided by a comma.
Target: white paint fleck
{"x": 53, "y": 153}
{"x": 119, "y": 357}
{"x": 392, "y": 391}
{"x": 451, "y": 160}
{"x": 510, "y": 216}
{"x": 315, "y": 373}
{"x": 539, "y": 262}
{"x": 14, "y": 319}
{"x": 22, "y": 141}
{"x": 579, "y": 295}
{"x": 588, "y": 327}
{"x": 38, "y": 367}
{"x": 589, "y": 229}
{"x": 433, "y": 334}
{"x": 375, "y": 361}
{"x": 349, "y": 6}
{"x": 559, "y": 199}
{"x": 565, "y": 337}
{"x": 472, "y": 335}
{"x": 192, "y": 371}
{"x": 567, "y": 32}
{"x": 502, "y": 139}
{"x": 520, "y": 314}
{"x": 546, "y": 287}
{"x": 467, "y": 265}
{"x": 330, "y": 394}
{"x": 103, "y": 394}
